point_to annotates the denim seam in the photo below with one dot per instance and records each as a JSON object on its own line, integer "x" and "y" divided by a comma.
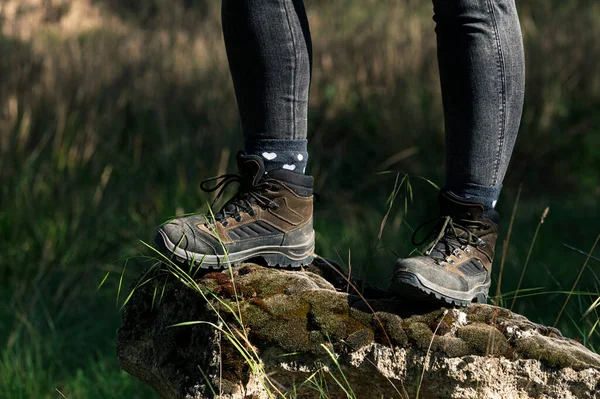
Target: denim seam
{"x": 502, "y": 71}
{"x": 294, "y": 69}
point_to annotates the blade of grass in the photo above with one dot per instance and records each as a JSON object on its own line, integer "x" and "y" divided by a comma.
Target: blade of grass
{"x": 154, "y": 296}
{"x": 577, "y": 280}
{"x": 506, "y": 243}
{"x": 121, "y": 283}
{"x": 212, "y": 389}
{"x": 349, "y": 391}
{"x": 430, "y": 182}
{"x": 581, "y": 252}
{"x": 427, "y": 355}
{"x": 391, "y": 199}
{"x": 593, "y": 329}
{"x": 593, "y": 306}
{"x": 103, "y": 281}
{"x": 529, "y": 255}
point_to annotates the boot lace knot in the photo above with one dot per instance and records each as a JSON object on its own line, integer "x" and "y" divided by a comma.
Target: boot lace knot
{"x": 248, "y": 193}
{"x": 448, "y": 237}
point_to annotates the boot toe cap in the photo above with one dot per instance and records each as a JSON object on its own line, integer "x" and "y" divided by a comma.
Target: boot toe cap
{"x": 430, "y": 273}
{"x": 182, "y": 234}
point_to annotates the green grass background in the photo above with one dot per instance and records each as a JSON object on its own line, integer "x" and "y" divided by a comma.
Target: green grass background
{"x": 109, "y": 119}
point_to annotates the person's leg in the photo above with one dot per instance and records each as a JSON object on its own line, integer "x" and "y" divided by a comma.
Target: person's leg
{"x": 269, "y": 50}
{"x": 482, "y": 74}
{"x": 481, "y": 63}
{"x": 270, "y": 217}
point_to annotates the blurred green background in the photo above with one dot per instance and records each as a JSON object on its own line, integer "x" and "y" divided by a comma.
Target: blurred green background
{"x": 112, "y": 111}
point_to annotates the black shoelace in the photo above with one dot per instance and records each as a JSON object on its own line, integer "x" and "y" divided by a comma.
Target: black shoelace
{"x": 450, "y": 236}
{"x": 247, "y": 194}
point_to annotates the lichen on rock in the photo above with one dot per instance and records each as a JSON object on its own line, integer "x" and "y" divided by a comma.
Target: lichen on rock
{"x": 295, "y": 324}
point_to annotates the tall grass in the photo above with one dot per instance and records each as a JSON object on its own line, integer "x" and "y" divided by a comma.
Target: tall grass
{"x": 112, "y": 111}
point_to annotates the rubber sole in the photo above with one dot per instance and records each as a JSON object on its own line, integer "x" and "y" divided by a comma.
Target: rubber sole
{"x": 292, "y": 256}
{"x": 407, "y": 285}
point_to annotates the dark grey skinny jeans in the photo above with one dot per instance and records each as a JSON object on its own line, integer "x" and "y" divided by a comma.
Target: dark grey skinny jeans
{"x": 482, "y": 75}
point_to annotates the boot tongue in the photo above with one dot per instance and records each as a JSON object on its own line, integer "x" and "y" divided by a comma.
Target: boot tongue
{"x": 459, "y": 208}
{"x": 251, "y": 167}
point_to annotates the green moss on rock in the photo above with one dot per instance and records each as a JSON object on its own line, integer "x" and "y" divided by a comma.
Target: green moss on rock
{"x": 484, "y": 339}
{"x": 360, "y": 338}
{"x": 420, "y": 334}
{"x": 393, "y": 327}
{"x": 362, "y": 316}
{"x": 452, "y": 346}
{"x": 330, "y": 312}
{"x": 487, "y": 314}
{"x": 567, "y": 354}
{"x": 280, "y": 306}
{"x": 301, "y": 311}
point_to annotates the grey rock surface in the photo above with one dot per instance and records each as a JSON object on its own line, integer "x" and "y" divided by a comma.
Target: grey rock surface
{"x": 260, "y": 333}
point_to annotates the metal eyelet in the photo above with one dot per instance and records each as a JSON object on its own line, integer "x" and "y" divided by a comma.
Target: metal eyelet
{"x": 251, "y": 212}
{"x": 459, "y": 256}
{"x": 467, "y": 250}
{"x": 451, "y": 261}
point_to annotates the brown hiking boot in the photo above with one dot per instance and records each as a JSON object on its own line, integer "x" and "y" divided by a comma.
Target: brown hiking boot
{"x": 270, "y": 217}
{"x": 456, "y": 266}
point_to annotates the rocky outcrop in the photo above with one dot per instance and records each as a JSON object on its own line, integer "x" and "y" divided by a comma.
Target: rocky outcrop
{"x": 256, "y": 333}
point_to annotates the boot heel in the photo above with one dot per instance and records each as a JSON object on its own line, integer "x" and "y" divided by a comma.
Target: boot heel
{"x": 480, "y": 298}
{"x": 291, "y": 256}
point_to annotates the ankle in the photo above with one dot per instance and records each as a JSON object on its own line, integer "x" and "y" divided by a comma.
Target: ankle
{"x": 465, "y": 208}
{"x": 487, "y": 196}
{"x": 280, "y": 154}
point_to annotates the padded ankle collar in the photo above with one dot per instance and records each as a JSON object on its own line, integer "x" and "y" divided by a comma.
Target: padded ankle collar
{"x": 459, "y": 208}
{"x": 300, "y": 183}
